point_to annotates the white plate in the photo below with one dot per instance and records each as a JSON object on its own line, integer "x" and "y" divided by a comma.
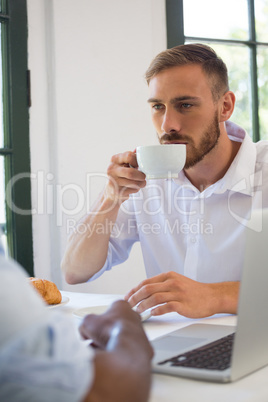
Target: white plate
{"x": 64, "y": 300}
{"x": 82, "y": 312}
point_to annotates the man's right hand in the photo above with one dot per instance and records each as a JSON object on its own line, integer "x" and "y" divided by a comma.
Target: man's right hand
{"x": 123, "y": 177}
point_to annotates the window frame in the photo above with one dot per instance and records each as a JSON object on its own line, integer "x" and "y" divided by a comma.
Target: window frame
{"x": 175, "y": 36}
{"x": 16, "y": 150}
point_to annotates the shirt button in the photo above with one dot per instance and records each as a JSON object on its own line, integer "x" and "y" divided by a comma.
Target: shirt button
{"x": 193, "y": 240}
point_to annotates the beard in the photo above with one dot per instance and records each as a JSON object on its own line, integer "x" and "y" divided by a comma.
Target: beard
{"x": 209, "y": 140}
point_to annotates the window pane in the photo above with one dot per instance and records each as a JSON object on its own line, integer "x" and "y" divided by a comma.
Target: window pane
{"x": 2, "y": 201}
{"x": 213, "y": 19}
{"x": 261, "y": 20}
{"x": 262, "y": 61}
{"x": 1, "y": 92}
{"x": 239, "y": 81}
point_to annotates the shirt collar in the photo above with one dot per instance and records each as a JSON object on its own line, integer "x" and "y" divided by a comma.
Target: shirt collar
{"x": 238, "y": 177}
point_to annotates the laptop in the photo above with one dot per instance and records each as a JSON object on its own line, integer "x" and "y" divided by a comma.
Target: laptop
{"x": 193, "y": 350}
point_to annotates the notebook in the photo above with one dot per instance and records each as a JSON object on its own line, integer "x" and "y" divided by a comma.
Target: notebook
{"x": 247, "y": 343}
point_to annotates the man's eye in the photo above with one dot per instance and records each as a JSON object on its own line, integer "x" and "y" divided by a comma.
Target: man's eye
{"x": 157, "y": 107}
{"x": 186, "y": 105}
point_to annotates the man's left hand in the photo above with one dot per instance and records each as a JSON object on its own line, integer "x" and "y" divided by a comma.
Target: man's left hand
{"x": 172, "y": 292}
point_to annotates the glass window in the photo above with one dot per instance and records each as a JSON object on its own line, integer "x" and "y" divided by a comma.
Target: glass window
{"x": 2, "y": 193}
{"x": 261, "y": 15}
{"x": 204, "y": 19}
{"x": 237, "y": 30}
{"x": 14, "y": 131}
{"x": 2, "y": 203}
{"x": 239, "y": 83}
{"x": 262, "y": 63}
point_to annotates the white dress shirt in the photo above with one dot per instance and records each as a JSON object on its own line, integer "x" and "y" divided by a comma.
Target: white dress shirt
{"x": 197, "y": 234}
{"x": 42, "y": 358}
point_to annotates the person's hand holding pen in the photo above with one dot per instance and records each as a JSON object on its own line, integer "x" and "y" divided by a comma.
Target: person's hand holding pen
{"x": 122, "y": 351}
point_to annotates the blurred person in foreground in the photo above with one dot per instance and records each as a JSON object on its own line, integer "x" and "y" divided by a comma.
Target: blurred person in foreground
{"x": 42, "y": 357}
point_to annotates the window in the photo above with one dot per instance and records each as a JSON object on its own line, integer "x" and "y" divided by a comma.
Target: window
{"x": 15, "y": 197}
{"x": 237, "y": 31}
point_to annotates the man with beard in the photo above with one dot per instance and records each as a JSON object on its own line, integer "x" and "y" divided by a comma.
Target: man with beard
{"x": 191, "y": 229}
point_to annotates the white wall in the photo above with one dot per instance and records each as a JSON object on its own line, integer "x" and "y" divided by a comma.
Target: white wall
{"x": 87, "y": 60}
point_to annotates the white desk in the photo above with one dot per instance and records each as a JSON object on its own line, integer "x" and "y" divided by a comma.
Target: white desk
{"x": 253, "y": 388}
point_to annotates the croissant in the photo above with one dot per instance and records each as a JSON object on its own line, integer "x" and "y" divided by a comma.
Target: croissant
{"x": 47, "y": 289}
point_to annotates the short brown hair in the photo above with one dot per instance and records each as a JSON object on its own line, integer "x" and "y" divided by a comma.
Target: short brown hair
{"x": 195, "y": 53}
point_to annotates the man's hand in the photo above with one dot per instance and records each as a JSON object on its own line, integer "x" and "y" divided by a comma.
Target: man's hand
{"x": 114, "y": 323}
{"x": 172, "y": 292}
{"x": 124, "y": 177}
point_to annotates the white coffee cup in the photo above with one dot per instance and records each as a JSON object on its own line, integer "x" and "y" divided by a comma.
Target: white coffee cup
{"x": 161, "y": 161}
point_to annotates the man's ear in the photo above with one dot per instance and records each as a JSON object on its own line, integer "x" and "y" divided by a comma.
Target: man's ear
{"x": 227, "y": 106}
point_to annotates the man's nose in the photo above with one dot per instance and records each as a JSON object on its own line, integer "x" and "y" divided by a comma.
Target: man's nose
{"x": 171, "y": 121}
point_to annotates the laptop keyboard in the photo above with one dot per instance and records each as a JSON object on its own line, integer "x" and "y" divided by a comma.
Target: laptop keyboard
{"x": 213, "y": 356}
